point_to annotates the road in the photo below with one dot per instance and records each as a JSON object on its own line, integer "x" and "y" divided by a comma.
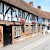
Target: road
{"x": 43, "y": 46}
{"x": 41, "y": 42}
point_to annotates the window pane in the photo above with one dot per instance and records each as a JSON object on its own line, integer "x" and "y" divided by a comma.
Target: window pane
{"x": 17, "y": 31}
{"x": 0, "y": 7}
{"x": 19, "y": 13}
{"x": 5, "y": 8}
{"x": 40, "y": 20}
{"x": 1, "y": 15}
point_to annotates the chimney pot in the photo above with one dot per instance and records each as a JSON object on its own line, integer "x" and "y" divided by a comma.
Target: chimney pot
{"x": 39, "y": 7}
{"x": 31, "y": 4}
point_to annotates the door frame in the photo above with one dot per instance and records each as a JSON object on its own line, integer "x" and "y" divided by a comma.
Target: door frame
{"x": 11, "y": 34}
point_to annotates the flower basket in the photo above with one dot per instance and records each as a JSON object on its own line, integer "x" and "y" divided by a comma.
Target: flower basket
{"x": 33, "y": 22}
{"x": 22, "y": 21}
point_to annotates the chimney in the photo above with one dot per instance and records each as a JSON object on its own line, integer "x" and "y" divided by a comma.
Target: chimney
{"x": 31, "y": 4}
{"x": 39, "y": 7}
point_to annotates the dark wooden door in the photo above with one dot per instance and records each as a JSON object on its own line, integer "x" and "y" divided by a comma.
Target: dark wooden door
{"x": 7, "y": 32}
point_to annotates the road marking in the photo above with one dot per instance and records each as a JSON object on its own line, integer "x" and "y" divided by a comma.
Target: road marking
{"x": 29, "y": 47}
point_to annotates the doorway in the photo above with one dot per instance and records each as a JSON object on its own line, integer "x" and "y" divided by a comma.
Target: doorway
{"x": 7, "y": 35}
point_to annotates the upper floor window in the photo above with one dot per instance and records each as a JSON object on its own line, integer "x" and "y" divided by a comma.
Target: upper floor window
{"x": 7, "y": 13}
{"x": 30, "y": 17}
{"x": 40, "y": 20}
{"x": 46, "y": 20}
{"x": 43, "y": 19}
{"x": 33, "y": 17}
{"x": 1, "y": 11}
{"x": 13, "y": 13}
{"x": 19, "y": 13}
{"x": 26, "y": 16}
{"x": 1, "y": 8}
{"x": 23, "y": 14}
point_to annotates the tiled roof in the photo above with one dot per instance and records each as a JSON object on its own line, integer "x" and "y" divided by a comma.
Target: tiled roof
{"x": 25, "y": 6}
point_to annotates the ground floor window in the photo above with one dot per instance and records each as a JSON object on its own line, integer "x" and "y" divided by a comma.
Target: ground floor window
{"x": 22, "y": 27}
{"x": 17, "y": 31}
{"x": 39, "y": 28}
{"x": 44, "y": 27}
{"x": 26, "y": 29}
{"x": 49, "y": 27}
{"x": 33, "y": 28}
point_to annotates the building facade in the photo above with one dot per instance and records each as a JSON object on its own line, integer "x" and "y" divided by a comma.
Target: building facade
{"x": 19, "y": 19}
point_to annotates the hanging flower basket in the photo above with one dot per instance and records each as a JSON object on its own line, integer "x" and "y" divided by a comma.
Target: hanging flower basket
{"x": 0, "y": 19}
{"x": 33, "y": 22}
{"x": 49, "y": 24}
{"x": 22, "y": 21}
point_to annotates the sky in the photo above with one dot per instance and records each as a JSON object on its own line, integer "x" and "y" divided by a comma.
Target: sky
{"x": 45, "y": 4}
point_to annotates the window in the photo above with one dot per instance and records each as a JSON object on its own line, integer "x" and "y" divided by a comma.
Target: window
{"x": 22, "y": 27}
{"x": 1, "y": 8}
{"x": 49, "y": 20}
{"x": 40, "y": 20}
{"x": 20, "y": 13}
{"x": 7, "y": 13}
{"x": 33, "y": 17}
{"x": 45, "y": 20}
{"x": 1, "y": 11}
{"x": 28, "y": 17}
{"x": 23, "y": 14}
{"x": 39, "y": 28}
{"x": 14, "y": 15}
{"x": 5, "y": 8}
{"x": 33, "y": 28}
{"x": 17, "y": 31}
{"x": 26, "y": 29}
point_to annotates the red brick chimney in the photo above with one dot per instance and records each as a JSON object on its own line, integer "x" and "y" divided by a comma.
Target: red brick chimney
{"x": 31, "y": 4}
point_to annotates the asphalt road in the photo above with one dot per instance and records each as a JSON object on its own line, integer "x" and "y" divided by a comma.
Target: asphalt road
{"x": 41, "y": 42}
{"x": 43, "y": 46}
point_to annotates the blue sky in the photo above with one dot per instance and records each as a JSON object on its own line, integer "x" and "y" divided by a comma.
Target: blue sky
{"x": 45, "y": 4}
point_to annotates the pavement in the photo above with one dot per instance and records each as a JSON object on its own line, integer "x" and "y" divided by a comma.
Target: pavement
{"x": 26, "y": 43}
